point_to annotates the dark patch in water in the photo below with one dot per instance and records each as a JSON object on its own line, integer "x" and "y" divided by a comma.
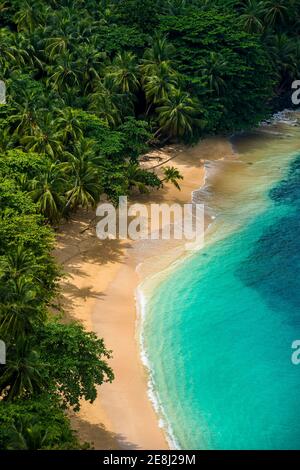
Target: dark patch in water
{"x": 273, "y": 268}
{"x": 288, "y": 190}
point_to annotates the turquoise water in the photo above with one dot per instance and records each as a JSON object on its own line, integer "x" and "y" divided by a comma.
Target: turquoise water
{"x": 219, "y": 327}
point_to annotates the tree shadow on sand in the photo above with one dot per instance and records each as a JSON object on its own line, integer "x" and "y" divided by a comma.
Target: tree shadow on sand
{"x": 99, "y": 437}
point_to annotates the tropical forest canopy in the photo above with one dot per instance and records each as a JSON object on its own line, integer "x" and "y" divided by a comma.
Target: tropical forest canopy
{"x": 92, "y": 85}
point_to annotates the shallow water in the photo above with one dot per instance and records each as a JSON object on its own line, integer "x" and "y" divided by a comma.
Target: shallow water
{"x": 219, "y": 326}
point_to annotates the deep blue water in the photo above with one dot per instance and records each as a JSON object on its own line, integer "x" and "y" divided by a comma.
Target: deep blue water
{"x": 219, "y": 329}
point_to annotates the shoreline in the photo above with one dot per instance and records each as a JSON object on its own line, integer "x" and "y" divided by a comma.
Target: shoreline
{"x": 151, "y": 282}
{"x": 100, "y": 292}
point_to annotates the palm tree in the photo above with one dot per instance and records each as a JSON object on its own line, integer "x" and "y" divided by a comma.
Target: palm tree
{"x": 64, "y": 73}
{"x": 83, "y": 149}
{"x": 68, "y": 125}
{"x": 20, "y": 306}
{"x": 124, "y": 72}
{"x": 276, "y": 12}
{"x": 25, "y": 51}
{"x": 47, "y": 192}
{"x": 136, "y": 177}
{"x": 283, "y": 53}
{"x": 176, "y": 7}
{"x": 252, "y": 15}
{"x": 23, "y": 373}
{"x": 29, "y": 16}
{"x": 86, "y": 188}
{"x": 104, "y": 103}
{"x": 83, "y": 170}
{"x": 172, "y": 175}
{"x": 159, "y": 79}
{"x": 160, "y": 85}
{"x": 90, "y": 63}
{"x": 27, "y": 434}
{"x": 177, "y": 115}
{"x": 8, "y": 52}
{"x": 24, "y": 116}
{"x": 18, "y": 262}
{"x": 160, "y": 53}
{"x": 213, "y": 70}
{"x": 58, "y": 45}
{"x": 45, "y": 138}
{"x": 24, "y": 182}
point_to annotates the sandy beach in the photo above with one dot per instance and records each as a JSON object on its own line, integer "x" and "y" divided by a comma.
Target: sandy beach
{"x": 99, "y": 290}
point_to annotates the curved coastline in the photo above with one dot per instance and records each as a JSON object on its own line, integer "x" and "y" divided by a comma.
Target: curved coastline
{"x": 150, "y": 283}
{"x": 100, "y": 290}
{"x": 153, "y": 280}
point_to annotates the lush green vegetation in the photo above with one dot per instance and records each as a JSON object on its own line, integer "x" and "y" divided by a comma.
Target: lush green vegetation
{"x": 92, "y": 92}
{"x": 50, "y": 366}
{"x": 92, "y": 85}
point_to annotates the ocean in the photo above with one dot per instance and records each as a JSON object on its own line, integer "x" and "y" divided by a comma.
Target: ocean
{"x": 218, "y": 325}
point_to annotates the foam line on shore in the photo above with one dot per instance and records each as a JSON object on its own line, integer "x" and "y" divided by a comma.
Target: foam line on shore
{"x": 141, "y": 308}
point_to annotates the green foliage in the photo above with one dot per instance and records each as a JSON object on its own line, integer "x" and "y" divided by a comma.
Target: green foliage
{"x": 90, "y": 86}
{"x": 16, "y": 163}
{"x": 140, "y": 13}
{"x": 62, "y": 361}
{"x": 172, "y": 175}
{"x": 114, "y": 38}
{"x": 23, "y": 373}
{"x": 13, "y": 200}
{"x": 223, "y": 64}
{"x": 127, "y": 176}
{"x": 76, "y": 361}
{"x": 35, "y": 424}
{"x": 135, "y": 136}
{"x": 177, "y": 115}
{"x": 28, "y": 230}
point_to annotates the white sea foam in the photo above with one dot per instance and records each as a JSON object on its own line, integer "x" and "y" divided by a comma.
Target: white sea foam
{"x": 141, "y": 307}
{"x": 287, "y": 116}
